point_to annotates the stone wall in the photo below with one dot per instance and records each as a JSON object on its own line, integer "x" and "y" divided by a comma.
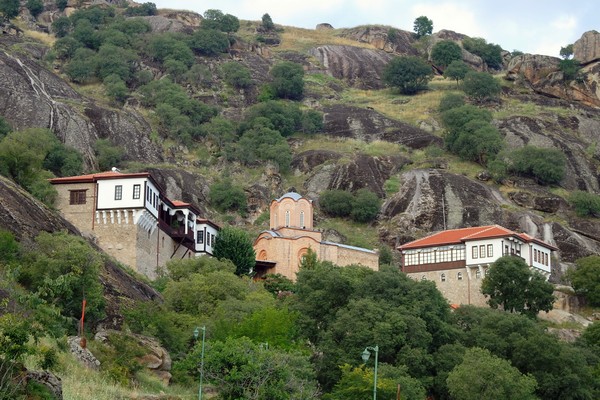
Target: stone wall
{"x": 456, "y": 291}
{"x": 80, "y": 215}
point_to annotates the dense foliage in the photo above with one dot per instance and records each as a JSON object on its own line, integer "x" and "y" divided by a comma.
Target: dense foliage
{"x": 586, "y": 204}
{"x": 511, "y": 284}
{"x": 585, "y": 278}
{"x": 236, "y": 245}
{"x": 407, "y": 74}
{"x": 456, "y": 70}
{"x": 422, "y": 26}
{"x": 445, "y": 52}
{"x": 480, "y": 86}
{"x": 362, "y": 206}
{"x": 490, "y": 53}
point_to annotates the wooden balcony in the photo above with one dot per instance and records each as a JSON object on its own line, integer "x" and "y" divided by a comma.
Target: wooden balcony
{"x": 177, "y": 231}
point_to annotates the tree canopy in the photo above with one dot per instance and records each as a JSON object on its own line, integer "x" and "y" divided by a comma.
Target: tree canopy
{"x": 445, "y": 52}
{"x": 511, "y": 284}
{"x": 408, "y": 74}
{"x": 235, "y": 244}
{"x": 585, "y": 278}
{"x": 422, "y": 26}
{"x": 481, "y": 86}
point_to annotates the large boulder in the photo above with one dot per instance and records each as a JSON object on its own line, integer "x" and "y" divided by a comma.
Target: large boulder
{"x": 382, "y": 38}
{"x": 587, "y": 48}
{"x": 51, "y": 381}
{"x": 369, "y": 125}
{"x": 471, "y": 59}
{"x": 359, "y": 67}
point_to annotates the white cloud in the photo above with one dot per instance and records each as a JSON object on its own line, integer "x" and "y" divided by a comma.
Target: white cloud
{"x": 565, "y": 23}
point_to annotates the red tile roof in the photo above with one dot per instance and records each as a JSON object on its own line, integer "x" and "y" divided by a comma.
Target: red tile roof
{"x": 100, "y": 175}
{"x": 178, "y": 203}
{"x": 457, "y": 236}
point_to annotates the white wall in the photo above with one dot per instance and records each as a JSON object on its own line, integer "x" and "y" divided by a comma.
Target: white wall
{"x": 154, "y": 198}
{"x": 205, "y": 230}
{"x": 531, "y": 259}
{"x": 106, "y": 193}
{"x": 496, "y": 251}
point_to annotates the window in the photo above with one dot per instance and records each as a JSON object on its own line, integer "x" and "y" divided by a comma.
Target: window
{"x": 490, "y": 250}
{"x": 443, "y": 277}
{"x": 77, "y": 196}
{"x": 302, "y": 219}
{"x": 287, "y": 218}
{"x": 149, "y": 195}
{"x": 212, "y": 239}
{"x": 200, "y": 237}
{"x": 474, "y": 249}
{"x": 482, "y": 251}
{"x": 208, "y": 239}
{"x": 136, "y": 191}
{"x": 535, "y": 255}
{"x": 118, "y": 192}
{"x": 459, "y": 276}
{"x": 546, "y": 259}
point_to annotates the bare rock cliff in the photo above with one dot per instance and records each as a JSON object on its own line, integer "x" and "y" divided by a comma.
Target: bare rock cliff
{"x": 587, "y": 48}
{"x": 32, "y": 96}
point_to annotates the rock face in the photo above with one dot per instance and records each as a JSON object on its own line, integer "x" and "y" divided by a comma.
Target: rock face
{"x": 362, "y": 171}
{"x": 359, "y": 67}
{"x": 324, "y": 27}
{"x": 156, "y": 359}
{"x": 543, "y": 75}
{"x": 48, "y": 379}
{"x": 381, "y": 38}
{"x": 84, "y": 356}
{"x": 369, "y": 125}
{"x": 587, "y": 48}
{"x": 571, "y": 135}
{"x": 31, "y": 96}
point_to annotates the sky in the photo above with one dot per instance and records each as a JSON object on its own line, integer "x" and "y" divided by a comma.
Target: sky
{"x": 531, "y": 26}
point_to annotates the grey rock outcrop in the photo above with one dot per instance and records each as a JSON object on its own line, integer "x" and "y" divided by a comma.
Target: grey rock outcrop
{"x": 49, "y": 380}
{"x": 587, "y": 48}
{"x": 83, "y": 355}
{"x": 157, "y": 360}
{"x": 324, "y": 26}
{"x": 34, "y": 97}
{"x": 471, "y": 59}
{"x": 379, "y": 37}
{"x": 359, "y": 67}
{"x": 161, "y": 24}
{"x": 369, "y": 125}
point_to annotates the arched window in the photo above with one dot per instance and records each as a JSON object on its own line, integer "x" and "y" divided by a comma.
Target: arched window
{"x": 443, "y": 277}
{"x": 287, "y": 218}
{"x": 262, "y": 255}
{"x": 302, "y": 219}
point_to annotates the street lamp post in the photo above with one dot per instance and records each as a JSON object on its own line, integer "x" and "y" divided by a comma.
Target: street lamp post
{"x": 196, "y": 333}
{"x": 365, "y": 356}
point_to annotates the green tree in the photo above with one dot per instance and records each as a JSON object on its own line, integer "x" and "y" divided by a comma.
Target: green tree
{"x": 586, "y": 204}
{"x": 385, "y": 255}
{"x": 479, "y": 141}
{"x": 215, "y": 19}
{"x": 336, "y": 203}
{"x": 225, "y": 196}
{"x": 407, "y": 74}
{"x": 61, "y": 26}
{"x": 263, "y": 144}
{"x": 237, "y": 75}
{"x": 116, "y": 88}
{"x": 35, "y": 7}
{"x": 82, "y": 66}
{"x": 62, "y": 4}
{"x": 489, "y": 52}
{"x": 62, "y": 160}
{"x": 259, "y": 373}
{"x": 482, "y": 376}
{"x": 590, "y": 336}
{"x": 235, "y": 244}
{"x": 113, "y": 60}
{"x": 445, "y": 52}
{"x": 566, "y": 52}
{"x": 281, "y": 116}
{"x": 288, "y": 80}
{"x": 9, "y": 247}
{"x": 585, "y": 278}
{"x": 365, "y": 206}
{"x": 456, "y": 70}
{"x": 481, "y": 86}
{"x": 62, "y": 270}
{"x": 422, "y": 26}
{"x": 66, "y": 47}
{"x": 267, "y": 22}
{"x": 9, "y": 8}
{"x": 570, "y": 68}
{"x": 511, "y": 284}
{"x": 209, "y": 42}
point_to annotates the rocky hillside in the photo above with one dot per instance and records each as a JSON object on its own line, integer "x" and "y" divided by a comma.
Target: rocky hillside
{"x": 371, "y": 138}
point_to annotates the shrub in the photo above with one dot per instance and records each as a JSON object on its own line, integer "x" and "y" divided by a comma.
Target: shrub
{"x": 336, "y": 203}
{"x": 283, "y": 117}
{"x": 237, "y": 75}
{"x": 569, "y": 68}
{"x": 5, "y": 128}
{"x": 116, "y": 88}
{"x": 209, "y": 42}
{"x": 489, "y": 52}
{"x": 236, "y": 245}
{"x": 66, "y": 47}
{"x": 586, "y": 204}
{"x": 216, "y": 20}
{"x": 288, "y": 80}
{"x": 63, "y": 160}
{"x": 143, "y": 10}
{"x": 365, "y": 206}
{"x": 585, "y": 278}
{"x": 82, "y": 66}
{"x": 62, "y": 4}
{"x": 225, "y": 196}
{"x": 456, "y": 70}
{"x": 408, "y": 74}
{"x": 263, "y": 144}
{"x": 451, "y": 100}
{"x": 108, "y": 155}
{"x": 35, "y": 7}
{"x": 546, "y": 166}
{"x": 61, "y": 26}
{"x": 267, "y": 22}
{"x": 445, "y": 52}
{"x": 481, "y": 85}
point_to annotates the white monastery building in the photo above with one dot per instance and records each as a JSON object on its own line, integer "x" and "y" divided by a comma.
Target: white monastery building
{"x": 129, "y": 216}
{"x": 457, "y": 260}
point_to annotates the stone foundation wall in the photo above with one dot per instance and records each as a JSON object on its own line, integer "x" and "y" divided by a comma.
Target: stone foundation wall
{"x": 456, "y": 291}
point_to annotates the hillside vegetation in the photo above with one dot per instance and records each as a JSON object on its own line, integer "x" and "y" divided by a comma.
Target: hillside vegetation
{"x": 231, "y": 114}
